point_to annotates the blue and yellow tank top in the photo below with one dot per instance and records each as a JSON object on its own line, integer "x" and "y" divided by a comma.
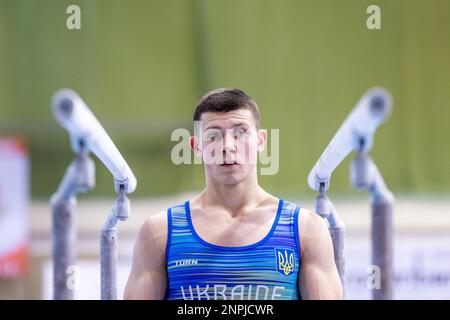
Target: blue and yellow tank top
{"x": 265, "y": 270}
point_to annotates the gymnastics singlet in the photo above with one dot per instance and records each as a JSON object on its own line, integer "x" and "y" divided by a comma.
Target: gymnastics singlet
{"x": 266, "y": 270}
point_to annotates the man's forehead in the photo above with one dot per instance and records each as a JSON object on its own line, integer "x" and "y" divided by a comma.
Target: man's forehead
{"x": 226, "y": 119}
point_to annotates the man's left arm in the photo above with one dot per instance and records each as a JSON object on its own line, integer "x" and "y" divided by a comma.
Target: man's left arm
{"x": 319, "y": 278}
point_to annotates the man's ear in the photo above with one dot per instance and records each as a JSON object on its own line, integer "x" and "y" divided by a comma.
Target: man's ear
{"x": 195, "y": 146}
{"x": 262, "y": 139}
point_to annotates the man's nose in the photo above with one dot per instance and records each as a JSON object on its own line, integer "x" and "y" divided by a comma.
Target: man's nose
{"x": 229, "y": 143}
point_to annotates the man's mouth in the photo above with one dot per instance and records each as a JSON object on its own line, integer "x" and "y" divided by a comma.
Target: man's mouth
{"x": 229, "y": 164}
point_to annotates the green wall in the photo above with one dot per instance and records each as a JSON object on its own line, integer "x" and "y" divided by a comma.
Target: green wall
{"x": 142, "y": 66}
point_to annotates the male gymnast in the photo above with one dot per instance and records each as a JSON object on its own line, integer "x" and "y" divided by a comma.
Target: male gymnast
{"x": 234, "y": 240}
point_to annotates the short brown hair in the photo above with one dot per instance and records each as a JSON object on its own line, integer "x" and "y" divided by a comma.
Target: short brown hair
{"x": 226, "y": 100}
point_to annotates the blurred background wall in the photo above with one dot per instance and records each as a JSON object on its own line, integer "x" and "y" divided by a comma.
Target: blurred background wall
{"x": 142, "y": 66}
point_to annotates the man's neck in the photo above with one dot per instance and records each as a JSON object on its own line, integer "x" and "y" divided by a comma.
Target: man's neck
{"x": 234, "y": 198}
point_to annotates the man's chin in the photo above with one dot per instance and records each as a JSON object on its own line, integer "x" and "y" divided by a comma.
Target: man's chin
{"x": 230, "y": 180}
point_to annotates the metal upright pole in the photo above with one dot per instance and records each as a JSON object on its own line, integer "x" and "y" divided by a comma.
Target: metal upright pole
{"x": 63, "y": 241}
{"x": 336, "y": 227}
{"x": 79, "y": 177}
{"x": 365, "y": 176}
{"x": 382, "y": 255}
{"x": 108, "y": 247}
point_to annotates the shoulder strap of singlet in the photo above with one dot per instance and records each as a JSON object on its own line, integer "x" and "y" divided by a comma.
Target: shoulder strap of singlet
{"x": 178, "y": 226}
{"x": 288, "y": 223}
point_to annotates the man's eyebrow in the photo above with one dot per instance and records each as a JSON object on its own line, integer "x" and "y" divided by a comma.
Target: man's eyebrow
{"x": 234, "y": 125}
{"x": 213, "y": 127}
{"x": 241, "y": 124}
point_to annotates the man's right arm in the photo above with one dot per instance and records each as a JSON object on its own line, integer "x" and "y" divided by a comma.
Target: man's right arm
{"x": 147, "y": 279}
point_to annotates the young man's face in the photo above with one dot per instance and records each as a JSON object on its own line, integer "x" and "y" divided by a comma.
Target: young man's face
{"x": 228, "y": 144}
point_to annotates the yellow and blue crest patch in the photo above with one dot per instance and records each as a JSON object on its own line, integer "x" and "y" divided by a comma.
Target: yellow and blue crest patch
{"x": 285, "y": 261}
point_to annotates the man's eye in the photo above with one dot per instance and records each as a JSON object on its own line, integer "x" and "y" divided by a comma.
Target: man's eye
{"x": 213, "y": 136}
{"x": 239, "y": 133}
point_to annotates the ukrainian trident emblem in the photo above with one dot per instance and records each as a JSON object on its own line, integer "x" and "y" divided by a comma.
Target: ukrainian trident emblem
{"x": 285, "y": 261}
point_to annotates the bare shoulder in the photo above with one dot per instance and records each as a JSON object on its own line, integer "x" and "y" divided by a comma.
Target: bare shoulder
{"x": 311, "y": 221}
{"x": 153, "y": 232}
{"x": 157, "y": 222}
{"x": 147, "y": 275}
{"x": 312, "y": 229}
